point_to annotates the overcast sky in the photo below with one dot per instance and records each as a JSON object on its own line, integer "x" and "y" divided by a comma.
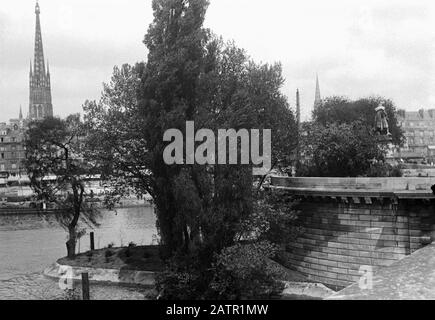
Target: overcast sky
{"x": 358, "y": 47}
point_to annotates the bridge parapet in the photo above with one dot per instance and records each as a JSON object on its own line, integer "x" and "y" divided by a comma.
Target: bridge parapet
{"x": 351, "y": 223}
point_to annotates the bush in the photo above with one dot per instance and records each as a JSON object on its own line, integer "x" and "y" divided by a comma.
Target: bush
{"x": 181, "y": 281}
{"x": 274, "y": 219}
{"x": 243, "y": 272}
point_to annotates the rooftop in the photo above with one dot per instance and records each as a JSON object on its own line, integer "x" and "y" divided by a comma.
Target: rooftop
{"x": 412, "y": 278}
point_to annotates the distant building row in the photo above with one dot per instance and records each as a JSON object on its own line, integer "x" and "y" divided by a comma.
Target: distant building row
{"x": 12, "y": 151}
{"x": 419, "y": 129}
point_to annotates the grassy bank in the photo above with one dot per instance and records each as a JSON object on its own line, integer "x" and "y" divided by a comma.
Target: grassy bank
{"x": 141, "y": 258}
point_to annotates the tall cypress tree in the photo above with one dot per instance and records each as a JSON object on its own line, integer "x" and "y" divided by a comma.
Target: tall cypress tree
{"x": 176, "y": 43}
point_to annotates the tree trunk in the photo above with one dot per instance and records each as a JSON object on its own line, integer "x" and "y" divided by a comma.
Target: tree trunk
{"x": 71, "y": 245}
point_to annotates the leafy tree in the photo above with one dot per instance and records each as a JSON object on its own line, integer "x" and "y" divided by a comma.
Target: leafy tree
{"x": 190, "y": 75}
{"x": 58, "y": 174}
{"x": 339, "y": 150}
{"x": 341, "y": 110}
{"x": 115, "y": 139}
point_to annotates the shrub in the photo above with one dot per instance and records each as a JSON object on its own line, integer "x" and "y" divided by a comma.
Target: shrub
{"x": 243, "y": 272}
{"x": 274, "y": 219}
{"x": 181, "y": 282}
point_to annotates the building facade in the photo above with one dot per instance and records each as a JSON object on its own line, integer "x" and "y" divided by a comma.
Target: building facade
{"x": 12, "y": 151}
{"x": 419, "y": 129}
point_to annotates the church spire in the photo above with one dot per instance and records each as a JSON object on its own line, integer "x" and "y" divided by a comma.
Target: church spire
{"x": 21, "y": 113}
{"x": 39, "y": 63}
{"x": 318, "y": 99}
{"x": 40, "y": 105}
{"x": 298, "y": 135}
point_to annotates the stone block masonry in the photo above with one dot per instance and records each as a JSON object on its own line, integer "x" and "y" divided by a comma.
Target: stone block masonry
{"x": 347, "y": 228}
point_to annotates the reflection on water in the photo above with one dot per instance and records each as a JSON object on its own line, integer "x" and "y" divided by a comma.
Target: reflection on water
{"x": 30, "y": 243}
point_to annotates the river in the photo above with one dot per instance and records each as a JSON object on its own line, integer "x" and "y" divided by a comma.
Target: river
{"x": 30, "y": 243}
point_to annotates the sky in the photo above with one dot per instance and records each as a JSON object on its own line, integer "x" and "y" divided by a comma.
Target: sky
{"x": 358, "y": 48}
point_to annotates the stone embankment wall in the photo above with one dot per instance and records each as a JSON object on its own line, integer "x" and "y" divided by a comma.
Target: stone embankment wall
{"x": 354, "y": 223}
{"x": 98, "y": 275}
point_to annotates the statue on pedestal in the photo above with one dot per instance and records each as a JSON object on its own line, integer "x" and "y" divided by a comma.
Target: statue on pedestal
{"x": 381, "y": 121}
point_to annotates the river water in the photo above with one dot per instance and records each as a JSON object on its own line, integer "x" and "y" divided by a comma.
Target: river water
{"x": 30, "y": 243}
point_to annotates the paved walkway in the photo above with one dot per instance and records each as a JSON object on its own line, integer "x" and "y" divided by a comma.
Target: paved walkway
{"x": 412, "y": 278}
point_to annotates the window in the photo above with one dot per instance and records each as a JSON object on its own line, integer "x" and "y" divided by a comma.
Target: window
{"x": 14, "y": 166}
{"x": 2, "y": 155}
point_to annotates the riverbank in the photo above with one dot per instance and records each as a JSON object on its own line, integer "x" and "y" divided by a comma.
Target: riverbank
{"x": 135, "y": 258}
{"x": 139, "y": 266}
{"x": 125, "y": 266}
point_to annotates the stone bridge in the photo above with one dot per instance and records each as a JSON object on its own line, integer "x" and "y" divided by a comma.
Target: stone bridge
{"x": 351, "y": 224}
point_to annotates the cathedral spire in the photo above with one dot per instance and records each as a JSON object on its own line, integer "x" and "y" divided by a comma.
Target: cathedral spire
{"x": 318, "y": 99}
{"x": 39, "y": 63}
{"x": 21, "y": 113}
{"x": 40, "y": 105}
{"x": 298, "y": 135}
